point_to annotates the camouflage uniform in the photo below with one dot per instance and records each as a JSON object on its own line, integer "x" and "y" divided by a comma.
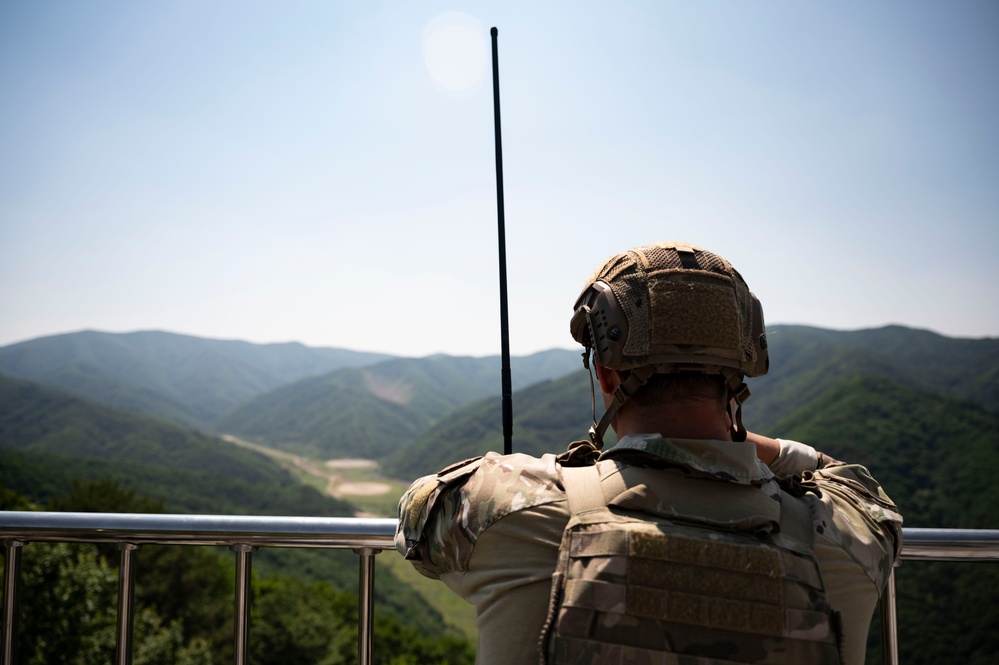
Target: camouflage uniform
{"x": 490, "y": 528}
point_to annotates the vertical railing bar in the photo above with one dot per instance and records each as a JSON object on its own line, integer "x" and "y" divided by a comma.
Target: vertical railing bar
{"x": 244, "y": 566}
{"x": 889, "y": 623}
{"x": 366, "y": 604}
{"x": 126, "y": 604}
{"x": 11, "y": 599}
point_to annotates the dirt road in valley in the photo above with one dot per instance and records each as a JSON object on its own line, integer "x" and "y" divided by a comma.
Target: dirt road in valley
{"x": 336, "y": 485}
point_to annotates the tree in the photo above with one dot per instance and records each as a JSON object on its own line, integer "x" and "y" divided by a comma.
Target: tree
{"x": 80, "y": 584}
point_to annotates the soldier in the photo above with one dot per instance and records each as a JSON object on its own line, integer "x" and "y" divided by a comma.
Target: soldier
{"x": 690, "y": 536}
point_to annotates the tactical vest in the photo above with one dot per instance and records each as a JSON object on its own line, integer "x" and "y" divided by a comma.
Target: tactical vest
{"x": 646, "y": 590}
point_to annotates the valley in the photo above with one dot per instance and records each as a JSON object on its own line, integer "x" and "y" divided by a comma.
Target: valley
{"x": 359, "y": 482}
{"x": 356, "y": 481}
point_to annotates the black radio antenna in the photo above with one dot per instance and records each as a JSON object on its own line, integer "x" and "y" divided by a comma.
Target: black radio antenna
{"x": 501, "y": 225}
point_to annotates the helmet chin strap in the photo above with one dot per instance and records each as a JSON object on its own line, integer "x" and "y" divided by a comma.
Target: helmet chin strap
{"x": 636, "y": 379}
{"x": 738, "y": 392}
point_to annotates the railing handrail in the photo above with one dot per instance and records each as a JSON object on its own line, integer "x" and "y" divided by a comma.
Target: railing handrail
{"x": 181, "y": 529}
{"x": 352, "y": 532}
{"x": 950, "y": 544}
{"x": 367, "y": 536}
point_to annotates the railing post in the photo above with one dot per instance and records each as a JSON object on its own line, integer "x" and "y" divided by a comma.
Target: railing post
{"x": 242, "y": 628}
{"x": 366, "y": 604}
{"x": 889, "y": 623}
{"x": 126, "y": 604}
{"x": 11, "y": 599}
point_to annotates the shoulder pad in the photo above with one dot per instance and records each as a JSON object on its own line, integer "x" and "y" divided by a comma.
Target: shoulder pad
{"x": 417, "y": 504}
{"x": 459, "y": 469}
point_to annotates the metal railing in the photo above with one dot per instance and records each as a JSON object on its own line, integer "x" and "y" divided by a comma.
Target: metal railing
{"x": 243, "y": 535}
{"x": 932, "y": 545}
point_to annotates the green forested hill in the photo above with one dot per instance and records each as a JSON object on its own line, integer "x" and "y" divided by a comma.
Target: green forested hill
{"x": 546, "y": 417}
{"x": 335, "y": 415}
{"x": 935, "y": 455}
{"x": 805, "y": 361}
{"x": 373, "y": 411}
{"x": 48, "y": 436}
{"x": 196, "y": 381}
{"x": 183, "y": 379}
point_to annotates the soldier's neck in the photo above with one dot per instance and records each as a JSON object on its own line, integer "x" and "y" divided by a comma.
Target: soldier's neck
{"x": 686, "y": 421}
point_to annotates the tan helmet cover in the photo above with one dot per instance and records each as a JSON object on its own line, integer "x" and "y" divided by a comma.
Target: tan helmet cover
{"x": 673, "y": 306}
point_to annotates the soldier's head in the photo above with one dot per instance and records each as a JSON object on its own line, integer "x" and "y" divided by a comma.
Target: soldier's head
{"x": 671, "y": 309}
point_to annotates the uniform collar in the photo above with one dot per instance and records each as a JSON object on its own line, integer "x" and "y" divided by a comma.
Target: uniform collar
{"x": 729, "y": 460}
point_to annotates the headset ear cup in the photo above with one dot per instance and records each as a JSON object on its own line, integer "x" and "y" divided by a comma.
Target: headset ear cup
{"x": 760, "y": 339}
{"x": 579, "y": 326}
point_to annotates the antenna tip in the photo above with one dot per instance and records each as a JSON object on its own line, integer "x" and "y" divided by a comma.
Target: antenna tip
{"x": 493, "y": 31}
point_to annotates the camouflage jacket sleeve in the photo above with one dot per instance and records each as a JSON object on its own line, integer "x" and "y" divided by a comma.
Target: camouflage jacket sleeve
{"x": 867, "y": 523}
{"x": 441, "y": 516}
{"x": 425, "y": 498}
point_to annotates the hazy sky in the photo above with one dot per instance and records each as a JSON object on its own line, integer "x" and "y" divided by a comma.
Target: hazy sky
{"x": 323, "y": 172}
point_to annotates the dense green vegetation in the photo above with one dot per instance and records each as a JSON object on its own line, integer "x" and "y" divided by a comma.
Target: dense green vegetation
{"x": 805, "y": 361}
{"x": 935, "y": 454}
{"x": 48, "y": 436}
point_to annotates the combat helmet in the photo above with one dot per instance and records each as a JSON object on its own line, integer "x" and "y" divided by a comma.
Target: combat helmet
{"x": 666, "y": 308}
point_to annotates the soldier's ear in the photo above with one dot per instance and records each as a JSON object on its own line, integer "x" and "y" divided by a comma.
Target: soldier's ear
{"x": 609, "y": 379}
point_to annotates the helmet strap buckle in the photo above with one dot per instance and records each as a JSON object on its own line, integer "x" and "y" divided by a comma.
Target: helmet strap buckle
{"x": 737, "y": 396}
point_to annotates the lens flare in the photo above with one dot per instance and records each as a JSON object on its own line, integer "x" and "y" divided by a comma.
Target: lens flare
{"x": 454, "y": 49}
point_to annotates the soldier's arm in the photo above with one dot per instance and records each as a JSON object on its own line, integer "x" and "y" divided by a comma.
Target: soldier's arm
{"x": 788, "y": 458}
{"x": 767, "y": 449}
{"x": 429, "y": 533}
{"x": 866, "y": 516}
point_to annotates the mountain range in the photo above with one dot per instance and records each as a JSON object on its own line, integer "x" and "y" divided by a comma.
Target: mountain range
{"x": 320, "y": 401}
{"x": 184, "y": 379}
{"x": 330, "y": 403}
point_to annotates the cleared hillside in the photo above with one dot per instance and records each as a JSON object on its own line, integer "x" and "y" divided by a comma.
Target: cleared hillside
{"x": 375, "y": 410}
{"x": 546, "y": 416}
